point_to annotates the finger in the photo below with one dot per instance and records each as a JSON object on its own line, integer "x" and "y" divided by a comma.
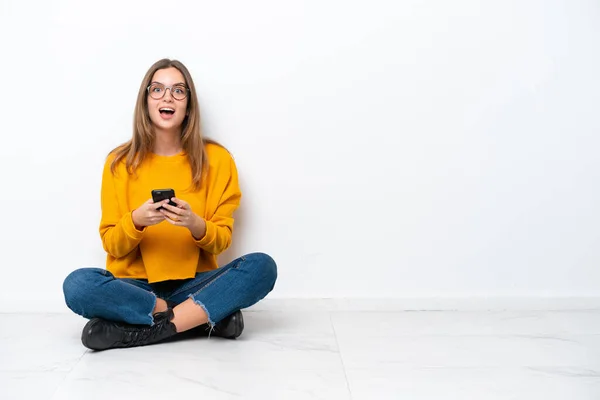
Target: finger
{"x": 173, "y": 209}
{"x": 170, "y": 215}
{"x": 178, "y": 223}
{"x": 180, "y": 203}
{"x": 159, "y": 204}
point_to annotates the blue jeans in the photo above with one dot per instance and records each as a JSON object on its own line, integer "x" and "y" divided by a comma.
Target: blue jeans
{"x": 95, "y": 292}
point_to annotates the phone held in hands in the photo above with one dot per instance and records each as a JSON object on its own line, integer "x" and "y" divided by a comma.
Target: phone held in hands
{"x": 159, "y": 195}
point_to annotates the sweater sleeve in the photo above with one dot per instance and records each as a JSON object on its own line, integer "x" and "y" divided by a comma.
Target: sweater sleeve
{"x": 219, "y": 226}
{"x": 118, "y": 233}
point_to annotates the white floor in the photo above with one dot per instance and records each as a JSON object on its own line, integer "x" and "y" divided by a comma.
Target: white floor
{"x": 318, "y": 354}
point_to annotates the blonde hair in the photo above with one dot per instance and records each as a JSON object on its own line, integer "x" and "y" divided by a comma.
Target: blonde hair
{"x": 141, "y": 144}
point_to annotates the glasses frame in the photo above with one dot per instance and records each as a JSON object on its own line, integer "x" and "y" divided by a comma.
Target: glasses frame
{"x": 187, "y": 91}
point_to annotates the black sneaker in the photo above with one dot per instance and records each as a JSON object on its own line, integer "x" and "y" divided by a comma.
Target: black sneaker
{"x": 229, "y": 327}
{"x": 101, "y": 334}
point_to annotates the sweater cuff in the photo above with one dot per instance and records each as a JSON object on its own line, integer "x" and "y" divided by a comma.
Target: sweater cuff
{"x": 209, "y": 236}
{"x": 130, "y": 229}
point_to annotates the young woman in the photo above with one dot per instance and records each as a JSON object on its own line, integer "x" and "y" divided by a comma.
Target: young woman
{"x": 161, "y": 275}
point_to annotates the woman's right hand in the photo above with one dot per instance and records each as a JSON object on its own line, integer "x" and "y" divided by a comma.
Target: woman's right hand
{"x": 147, "y": 214}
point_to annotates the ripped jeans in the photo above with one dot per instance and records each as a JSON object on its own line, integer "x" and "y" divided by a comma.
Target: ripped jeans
{"x": 95, "y": 292}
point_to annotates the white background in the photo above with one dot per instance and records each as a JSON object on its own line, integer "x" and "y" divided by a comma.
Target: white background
{"x": 386, "y": 149}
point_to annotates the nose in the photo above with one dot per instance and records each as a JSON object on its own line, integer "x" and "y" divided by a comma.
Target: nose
{"x": 170, "y": 97}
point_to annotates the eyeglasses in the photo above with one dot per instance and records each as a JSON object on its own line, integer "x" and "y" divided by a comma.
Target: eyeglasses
{"x": 157, "y": 91}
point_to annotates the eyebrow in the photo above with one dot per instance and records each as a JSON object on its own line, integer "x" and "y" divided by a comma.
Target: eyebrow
{"x": 178, "y": 83}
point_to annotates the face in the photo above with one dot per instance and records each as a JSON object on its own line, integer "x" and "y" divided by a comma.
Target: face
{"x": 167, "y": 113}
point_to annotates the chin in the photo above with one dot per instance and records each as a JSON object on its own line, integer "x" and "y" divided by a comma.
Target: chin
{"x": 167, "y": 125}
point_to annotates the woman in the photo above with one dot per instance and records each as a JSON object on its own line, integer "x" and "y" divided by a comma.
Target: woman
{"x": 161, "y": 275}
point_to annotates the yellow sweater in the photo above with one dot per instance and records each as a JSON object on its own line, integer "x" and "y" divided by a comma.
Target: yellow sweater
{"x": 164, "y": 251}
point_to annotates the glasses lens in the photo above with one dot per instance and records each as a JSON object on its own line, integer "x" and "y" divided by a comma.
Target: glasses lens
{"x": 156, "y": 90}
{"x": 179, "y": 92}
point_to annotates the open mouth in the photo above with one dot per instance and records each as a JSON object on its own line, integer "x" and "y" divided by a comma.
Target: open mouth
{"x": 166, "y": 112}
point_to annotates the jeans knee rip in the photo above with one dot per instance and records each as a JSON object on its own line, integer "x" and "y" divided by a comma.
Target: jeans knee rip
{"x": 211, "y": 324}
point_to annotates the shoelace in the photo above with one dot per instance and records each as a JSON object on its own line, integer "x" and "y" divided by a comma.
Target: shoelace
{"x": 135, "y": 335}
{"x": 144, "y": 335}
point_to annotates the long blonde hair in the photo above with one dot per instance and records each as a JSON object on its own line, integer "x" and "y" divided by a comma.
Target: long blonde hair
{"x": 141, "y": 144}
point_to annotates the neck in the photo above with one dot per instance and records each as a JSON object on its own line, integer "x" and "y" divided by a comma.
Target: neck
{"x": 167, "y": 143}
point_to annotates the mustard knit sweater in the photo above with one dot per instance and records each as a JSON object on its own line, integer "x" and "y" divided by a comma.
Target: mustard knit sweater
{"x": 164, "y": 251}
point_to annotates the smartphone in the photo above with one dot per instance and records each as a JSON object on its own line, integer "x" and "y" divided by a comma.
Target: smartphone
{"x": 159, "y": 195}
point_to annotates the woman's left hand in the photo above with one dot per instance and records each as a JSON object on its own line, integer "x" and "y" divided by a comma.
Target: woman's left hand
{"x": 182, "y": 215}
